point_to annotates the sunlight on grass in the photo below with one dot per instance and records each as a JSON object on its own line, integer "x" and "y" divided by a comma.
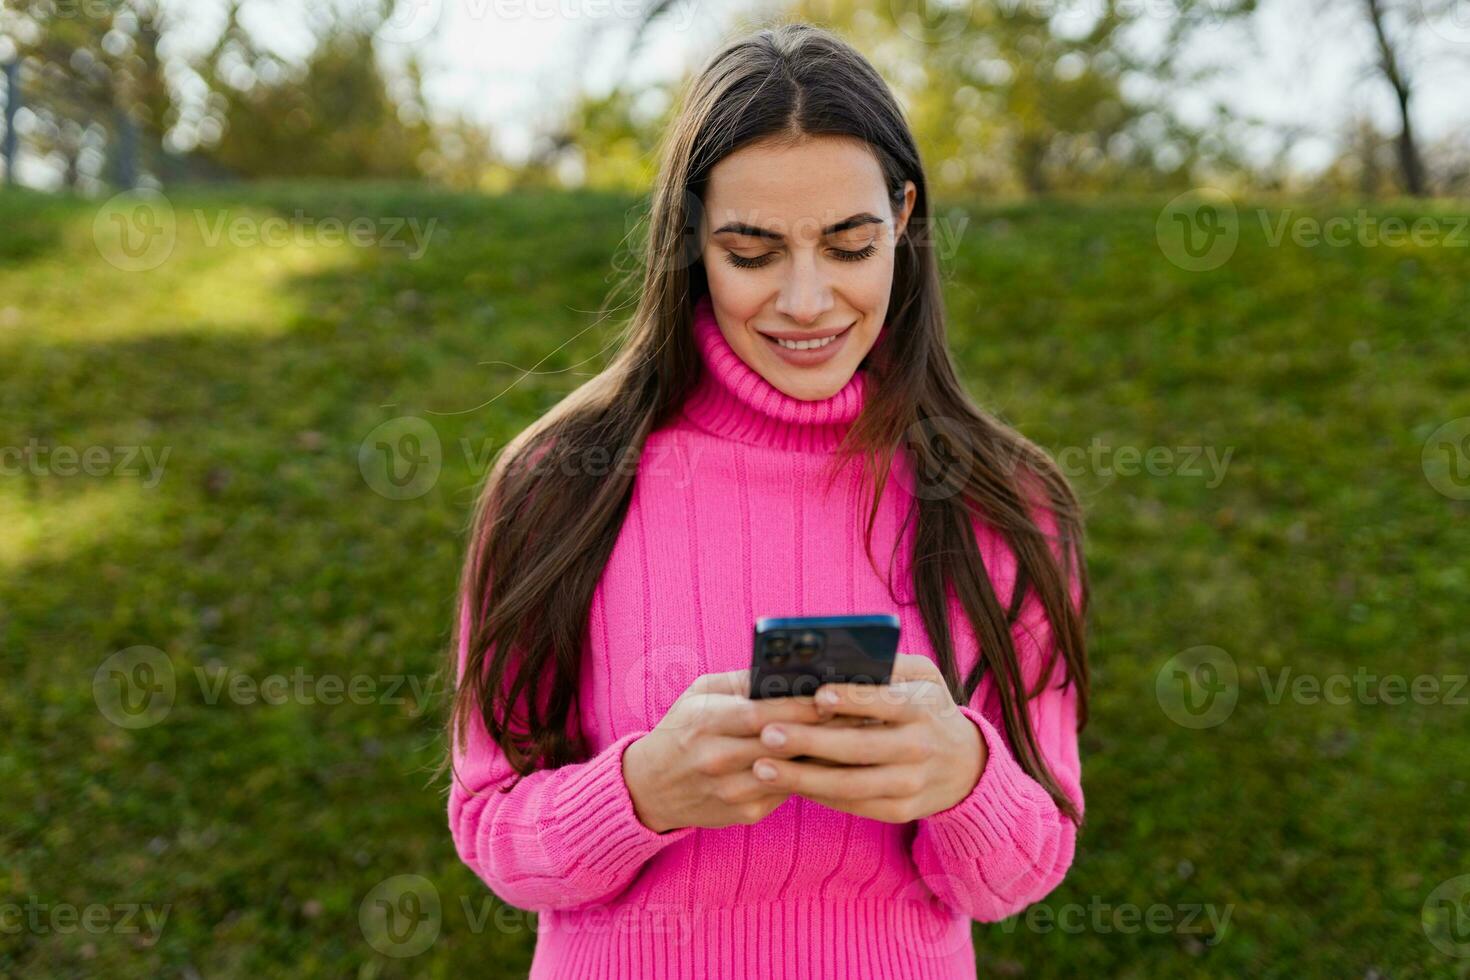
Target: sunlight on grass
{"x": 57, "y": 526}
{"x": 207, "y": 282}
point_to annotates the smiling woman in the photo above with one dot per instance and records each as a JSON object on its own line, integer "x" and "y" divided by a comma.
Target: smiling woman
{"x": 611, "y": 771}
{"x": 801, "y": 293}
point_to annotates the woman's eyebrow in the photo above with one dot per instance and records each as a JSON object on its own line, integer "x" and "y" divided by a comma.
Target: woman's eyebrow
{"x": 741, "y": 228}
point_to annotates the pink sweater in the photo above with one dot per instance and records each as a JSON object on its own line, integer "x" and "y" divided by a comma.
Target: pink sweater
{"x": 729, "y": 522}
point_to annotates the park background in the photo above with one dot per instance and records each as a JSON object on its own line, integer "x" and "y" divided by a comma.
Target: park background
{"x": 277, "y": 280}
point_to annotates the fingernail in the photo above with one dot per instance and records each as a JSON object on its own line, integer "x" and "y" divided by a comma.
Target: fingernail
{"x": 773, "y": 737}
{"x": 765, "y": 770}
{"x": 828, "y": 698}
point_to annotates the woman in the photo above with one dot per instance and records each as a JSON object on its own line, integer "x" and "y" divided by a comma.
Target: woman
{"x": 782, "y": 433}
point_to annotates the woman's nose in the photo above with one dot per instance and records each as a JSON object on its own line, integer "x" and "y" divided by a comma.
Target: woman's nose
{"x": 805, "y": 295}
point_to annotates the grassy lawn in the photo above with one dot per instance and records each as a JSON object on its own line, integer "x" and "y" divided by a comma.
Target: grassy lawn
{"x": 230, "y": 522}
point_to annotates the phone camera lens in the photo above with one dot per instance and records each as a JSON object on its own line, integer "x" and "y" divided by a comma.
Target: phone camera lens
{"x": 778, "y": 650}
{"x": 807, "y": 645}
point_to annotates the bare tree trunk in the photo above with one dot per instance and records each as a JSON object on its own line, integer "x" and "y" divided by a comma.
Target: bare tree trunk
{"x": 72, "y": 171}
{"x": 1409, "y": 165}
{"x": 124, "y": 150}
{"x": 8, "y": 149}
{"x": 1031, "y": 157}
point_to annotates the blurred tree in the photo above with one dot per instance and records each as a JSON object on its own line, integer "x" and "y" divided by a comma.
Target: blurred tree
{"x": 108, "y": 106}
{"x": 1403, "y": 43}
{"x": 332, "y": 116}
{"x": 1391, "y": 64}
{"x": 1367, "y": 163}
{"x": 462, "y": 156}
{"x": 94, "y": 82}
{"x": 610, "y": 140}
{"x": 1009, "y": 96}
{"x": 1448, "y": 160}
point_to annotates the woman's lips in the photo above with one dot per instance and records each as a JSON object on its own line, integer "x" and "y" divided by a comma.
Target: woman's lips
{"x": 812, "y": 355}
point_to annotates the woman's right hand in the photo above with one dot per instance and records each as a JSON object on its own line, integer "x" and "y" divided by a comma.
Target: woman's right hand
{"x": 694, "y": 769}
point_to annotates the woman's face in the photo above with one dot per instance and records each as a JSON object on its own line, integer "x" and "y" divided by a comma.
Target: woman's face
{"x": 798, "y": 247}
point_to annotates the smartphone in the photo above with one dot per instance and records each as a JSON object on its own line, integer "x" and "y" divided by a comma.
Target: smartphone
{"x": 794, "y": 655}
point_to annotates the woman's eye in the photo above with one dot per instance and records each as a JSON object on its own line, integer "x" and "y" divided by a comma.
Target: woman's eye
{"x": 855, "y": 256}
{"x": 840, "y": 254}
{"x": 742, "y": 262}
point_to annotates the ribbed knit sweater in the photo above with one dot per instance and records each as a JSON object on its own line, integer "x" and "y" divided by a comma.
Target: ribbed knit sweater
{"x": 729, "y": 521}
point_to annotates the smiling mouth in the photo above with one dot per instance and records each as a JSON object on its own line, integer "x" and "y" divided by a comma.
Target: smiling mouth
{"x": 806, "y": 344}
{"x": 813, "y": 344}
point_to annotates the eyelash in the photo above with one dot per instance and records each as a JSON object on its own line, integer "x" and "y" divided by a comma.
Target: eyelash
{"x": 841, "y": 255}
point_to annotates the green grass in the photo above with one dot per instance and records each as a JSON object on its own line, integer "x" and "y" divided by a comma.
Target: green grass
{"x": 262, "y": 549}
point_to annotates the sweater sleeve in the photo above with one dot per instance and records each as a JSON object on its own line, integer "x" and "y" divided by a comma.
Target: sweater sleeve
{"x": 561, "y": 838}
{"x": 1006, "y": 844}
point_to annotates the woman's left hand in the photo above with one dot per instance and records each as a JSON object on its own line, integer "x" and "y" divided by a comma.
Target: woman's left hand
{"x": 917, "y": 754}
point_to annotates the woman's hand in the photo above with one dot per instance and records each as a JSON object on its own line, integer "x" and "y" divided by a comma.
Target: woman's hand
{"x": 694, "y": 768}
{"x": 915, "y": 756}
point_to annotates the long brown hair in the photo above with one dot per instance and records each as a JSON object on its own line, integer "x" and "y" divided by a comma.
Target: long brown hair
{"x": 546, "y": 522}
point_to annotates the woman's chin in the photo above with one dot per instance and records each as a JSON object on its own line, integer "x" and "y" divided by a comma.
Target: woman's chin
{"x": 812, "y": 384}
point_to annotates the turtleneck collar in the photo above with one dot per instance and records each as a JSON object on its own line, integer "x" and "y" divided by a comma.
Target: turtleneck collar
{"x": 732, "y": 400}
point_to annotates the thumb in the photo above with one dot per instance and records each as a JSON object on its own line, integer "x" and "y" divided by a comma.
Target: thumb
{"x": 735, "y": 682}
